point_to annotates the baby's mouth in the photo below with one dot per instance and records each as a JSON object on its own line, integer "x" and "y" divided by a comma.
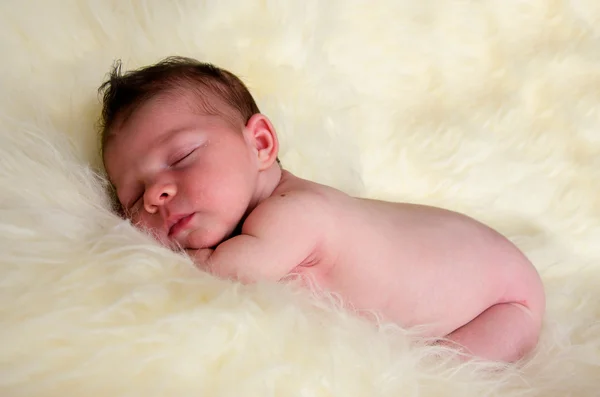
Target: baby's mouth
{"x": 180, "y": 225}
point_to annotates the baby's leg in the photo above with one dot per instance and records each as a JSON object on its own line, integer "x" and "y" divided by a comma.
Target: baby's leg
{"x": 503, "y": 332}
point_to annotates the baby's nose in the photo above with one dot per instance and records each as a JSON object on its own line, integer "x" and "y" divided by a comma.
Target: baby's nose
{"x": 158, "y": 195}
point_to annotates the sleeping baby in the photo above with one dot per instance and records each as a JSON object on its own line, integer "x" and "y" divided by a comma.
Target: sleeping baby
{"x": 194, "y": 162}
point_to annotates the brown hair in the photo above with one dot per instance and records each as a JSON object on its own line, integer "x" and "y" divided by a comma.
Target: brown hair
{"x": 122, "y": 93}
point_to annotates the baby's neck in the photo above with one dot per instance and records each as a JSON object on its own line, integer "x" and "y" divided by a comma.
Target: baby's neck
{"x": 268, "y": 181}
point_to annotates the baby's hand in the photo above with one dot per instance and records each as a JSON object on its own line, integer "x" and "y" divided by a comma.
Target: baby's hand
{"x": 201, "y": 257}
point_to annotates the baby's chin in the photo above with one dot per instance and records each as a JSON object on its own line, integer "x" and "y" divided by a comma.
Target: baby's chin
{"x": 198, "y": 239}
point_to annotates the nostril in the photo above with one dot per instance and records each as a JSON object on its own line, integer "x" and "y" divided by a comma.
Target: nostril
{"x": 164, "y": 195}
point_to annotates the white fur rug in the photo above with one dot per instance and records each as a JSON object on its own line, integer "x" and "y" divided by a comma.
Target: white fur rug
{"x": 491, "y": 108}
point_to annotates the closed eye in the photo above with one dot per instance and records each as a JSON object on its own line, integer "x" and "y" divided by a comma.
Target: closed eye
{"x": 182, "y": 158}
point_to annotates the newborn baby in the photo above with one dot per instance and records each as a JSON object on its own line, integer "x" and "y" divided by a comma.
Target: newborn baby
{"x": 193, "y": 161}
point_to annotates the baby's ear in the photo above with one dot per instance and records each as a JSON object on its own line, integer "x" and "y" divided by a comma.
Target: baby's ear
{"x": 260, "y": 133}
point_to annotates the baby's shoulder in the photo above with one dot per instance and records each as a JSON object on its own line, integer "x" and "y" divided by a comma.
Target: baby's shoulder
{"x": 303, "y": 191}
{"x": 285, "y": 208}
{"x": 304, "y": 201}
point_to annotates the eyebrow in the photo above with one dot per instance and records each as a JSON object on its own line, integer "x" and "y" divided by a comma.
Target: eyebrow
{"x": 169, "y": 134}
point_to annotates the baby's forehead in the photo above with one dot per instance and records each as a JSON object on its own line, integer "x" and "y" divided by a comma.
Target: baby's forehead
{"x": 178, "y": 102}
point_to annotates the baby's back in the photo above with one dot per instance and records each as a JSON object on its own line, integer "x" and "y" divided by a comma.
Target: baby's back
{"x": 413, "y": 264}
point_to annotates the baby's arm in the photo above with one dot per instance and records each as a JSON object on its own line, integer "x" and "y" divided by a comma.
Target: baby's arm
{"x": 276, "y": 237}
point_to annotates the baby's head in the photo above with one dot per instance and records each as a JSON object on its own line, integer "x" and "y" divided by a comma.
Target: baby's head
{"x": 186, "y": 149}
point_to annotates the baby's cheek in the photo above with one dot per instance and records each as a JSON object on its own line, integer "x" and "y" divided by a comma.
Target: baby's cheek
{"x": 137, "y": 221}
{"x": 145, "y": 223}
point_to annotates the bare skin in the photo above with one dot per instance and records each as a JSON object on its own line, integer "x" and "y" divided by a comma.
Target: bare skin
{"x": 212, "y": 187}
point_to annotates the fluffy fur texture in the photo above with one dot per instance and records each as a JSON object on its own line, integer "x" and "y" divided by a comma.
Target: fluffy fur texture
{"x": 490, "y": 108}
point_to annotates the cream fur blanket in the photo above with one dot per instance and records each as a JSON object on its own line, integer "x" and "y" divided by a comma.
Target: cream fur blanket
{"x": 490, "y": 108}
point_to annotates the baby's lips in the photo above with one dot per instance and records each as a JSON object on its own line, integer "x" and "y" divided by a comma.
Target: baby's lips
{"x": 180, "y": 224}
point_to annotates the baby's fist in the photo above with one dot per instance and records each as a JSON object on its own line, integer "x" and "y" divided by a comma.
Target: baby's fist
{"x": 200, "y": 257}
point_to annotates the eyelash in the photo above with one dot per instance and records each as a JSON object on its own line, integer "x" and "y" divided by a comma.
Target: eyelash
{"x": 183, "y": 157}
